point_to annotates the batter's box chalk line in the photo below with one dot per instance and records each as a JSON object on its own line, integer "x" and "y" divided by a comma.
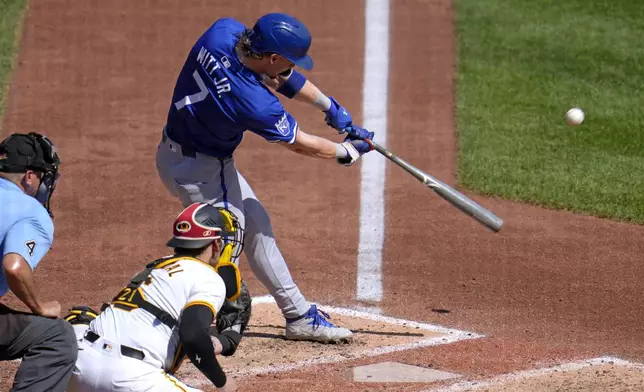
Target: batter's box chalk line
{"x": 527, "y": 374}
{"x": 448, "y": 336}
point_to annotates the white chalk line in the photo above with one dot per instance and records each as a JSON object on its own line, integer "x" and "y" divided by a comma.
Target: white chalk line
{"x": 369, "y": 286}
{"x": 369, "y": 309}
{"x": 365, "y": 314}
{"x": 449, "y": 336}
{"x": 533, "y": 373}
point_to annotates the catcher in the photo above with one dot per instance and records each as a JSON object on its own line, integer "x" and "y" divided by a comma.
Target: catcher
{"x": 167, "y": 312}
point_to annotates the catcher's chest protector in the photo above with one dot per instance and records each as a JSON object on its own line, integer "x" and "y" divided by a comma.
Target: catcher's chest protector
{"x": 131, "y": 297}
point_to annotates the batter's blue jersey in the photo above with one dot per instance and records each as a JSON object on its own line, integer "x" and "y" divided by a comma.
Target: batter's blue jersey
{"x": 216, "y": 98}
{"x": 25, "y": 227}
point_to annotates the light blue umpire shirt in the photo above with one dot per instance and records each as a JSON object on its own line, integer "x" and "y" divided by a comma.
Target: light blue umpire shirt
{"x": 25, "y": 227}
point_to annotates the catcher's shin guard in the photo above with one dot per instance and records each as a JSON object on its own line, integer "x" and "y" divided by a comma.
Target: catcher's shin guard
{"x": 80, "y": 317}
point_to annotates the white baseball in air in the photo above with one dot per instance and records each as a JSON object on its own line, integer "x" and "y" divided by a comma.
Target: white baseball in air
{"x": 574, "y": 116}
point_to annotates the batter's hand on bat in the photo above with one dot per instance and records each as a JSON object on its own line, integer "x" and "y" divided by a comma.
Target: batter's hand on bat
{"x": 356, "y": 146}
{"x": 358, "y": 133}
{"x": 338, "y": 117}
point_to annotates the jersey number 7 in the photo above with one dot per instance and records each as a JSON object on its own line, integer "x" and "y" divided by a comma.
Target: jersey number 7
{"x": 222, "y": 87}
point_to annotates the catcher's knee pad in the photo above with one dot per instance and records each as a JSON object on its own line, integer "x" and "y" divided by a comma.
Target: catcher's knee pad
{"x": 81, "y": 315}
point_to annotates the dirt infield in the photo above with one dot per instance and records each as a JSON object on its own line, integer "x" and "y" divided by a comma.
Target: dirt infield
{"x": 265, "y": 350}
{"x": 551, "y": 287}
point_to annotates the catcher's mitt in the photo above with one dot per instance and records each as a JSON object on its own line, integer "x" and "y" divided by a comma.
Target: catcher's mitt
{"x": 82, "y": 315}
{"x": 232, "y": 320}
{"x": 235, "y": 314}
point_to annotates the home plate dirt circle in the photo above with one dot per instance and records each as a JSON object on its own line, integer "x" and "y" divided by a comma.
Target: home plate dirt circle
{"x": 265, "y": 350}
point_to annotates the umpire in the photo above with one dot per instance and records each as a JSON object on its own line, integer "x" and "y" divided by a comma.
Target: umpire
{"x": 46, "y": 344}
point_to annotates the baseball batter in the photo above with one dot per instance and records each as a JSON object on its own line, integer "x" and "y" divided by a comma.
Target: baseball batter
{"x": 165, "y": 313}
{"x": 225, "y": 88}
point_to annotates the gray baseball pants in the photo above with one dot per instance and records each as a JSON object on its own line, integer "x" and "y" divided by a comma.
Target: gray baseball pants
{"x": 195, "y": 177}
{"x": 47, "y": 347}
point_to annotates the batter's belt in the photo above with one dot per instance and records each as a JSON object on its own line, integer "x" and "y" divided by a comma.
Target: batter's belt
{"x": 125, "y": 350}
{"x": 185, "y": 151}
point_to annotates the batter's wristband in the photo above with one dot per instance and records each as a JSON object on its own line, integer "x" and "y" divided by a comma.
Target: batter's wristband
{"x": 341, "y": 151}
{"x": 293, "y": 85}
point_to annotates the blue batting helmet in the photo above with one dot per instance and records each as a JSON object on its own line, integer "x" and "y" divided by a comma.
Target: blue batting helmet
{"x": 284, "y": 35}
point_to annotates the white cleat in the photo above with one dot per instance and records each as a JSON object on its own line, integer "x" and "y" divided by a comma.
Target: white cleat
{"x": 313, "y": 325}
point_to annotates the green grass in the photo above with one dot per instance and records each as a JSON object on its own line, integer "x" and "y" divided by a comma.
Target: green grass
{"x": 11, "y": 12}
{"x": 522, "y": 65}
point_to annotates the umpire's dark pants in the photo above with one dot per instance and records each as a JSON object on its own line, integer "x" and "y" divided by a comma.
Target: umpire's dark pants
{"x": 47, "y": 347}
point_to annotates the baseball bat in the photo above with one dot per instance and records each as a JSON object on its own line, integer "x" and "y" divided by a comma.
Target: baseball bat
{"x": 456, "y": 198}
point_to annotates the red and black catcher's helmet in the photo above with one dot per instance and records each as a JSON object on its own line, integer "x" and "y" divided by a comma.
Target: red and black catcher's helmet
{"x": 201, "y": 223}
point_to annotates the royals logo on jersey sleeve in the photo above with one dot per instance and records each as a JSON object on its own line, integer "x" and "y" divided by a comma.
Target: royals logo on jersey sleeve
{"x": 283, "y": 126}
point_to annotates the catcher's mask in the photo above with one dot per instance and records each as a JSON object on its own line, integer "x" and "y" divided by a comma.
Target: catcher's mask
{"x": 32, "y": 151}
{"x": 199, "y": 225}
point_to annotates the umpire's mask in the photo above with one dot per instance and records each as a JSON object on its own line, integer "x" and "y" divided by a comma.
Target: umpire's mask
{"x": 32, "y": 151}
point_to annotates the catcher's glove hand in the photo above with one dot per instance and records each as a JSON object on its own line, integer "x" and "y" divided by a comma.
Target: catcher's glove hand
{"x": 82, "y": 315}
{"x": 235, "y": 314}
{"x": 232, "y": 320}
